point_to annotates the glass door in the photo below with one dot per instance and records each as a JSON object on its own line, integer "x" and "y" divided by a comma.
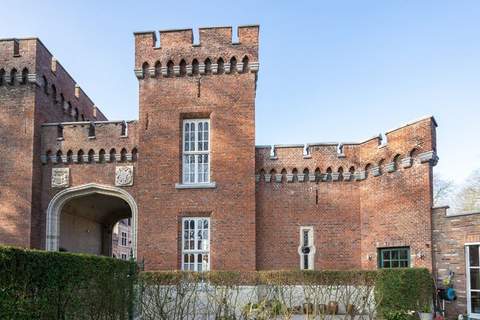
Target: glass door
{"x": 472, "y": 255}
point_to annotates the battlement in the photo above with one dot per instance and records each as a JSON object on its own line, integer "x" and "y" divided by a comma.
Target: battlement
{"x": 89, "y": 142}
{"x": 28, "y": 61}
{"x": 178, "y": 55}
{"x": 412, "y": 143}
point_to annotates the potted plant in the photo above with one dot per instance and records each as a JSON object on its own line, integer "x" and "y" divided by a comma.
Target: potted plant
{"x": 333, "y": 307}
{"x": 350, "y": 309}
{"x": 425, "y": 312}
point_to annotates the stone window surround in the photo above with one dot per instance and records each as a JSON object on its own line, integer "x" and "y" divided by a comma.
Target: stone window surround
{"x": 190, "y": 185}
{"x": 196, "y": 251}
{"x": 311, "y": 241}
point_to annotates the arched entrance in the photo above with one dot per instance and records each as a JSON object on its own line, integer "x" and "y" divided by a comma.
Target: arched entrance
{"x": 80, "y": 219}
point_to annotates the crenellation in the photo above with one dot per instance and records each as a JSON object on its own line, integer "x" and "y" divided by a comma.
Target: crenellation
{"x": 95, "y": 136}
{"x": 176, "y": 38}
{"x": 215, "y": 49}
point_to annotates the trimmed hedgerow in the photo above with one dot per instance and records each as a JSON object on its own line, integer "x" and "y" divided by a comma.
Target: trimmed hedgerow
{"x": 54, "y": 285}
{"x": 403, "y": 290}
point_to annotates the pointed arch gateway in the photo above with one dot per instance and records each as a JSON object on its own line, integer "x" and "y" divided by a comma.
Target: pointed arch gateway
{"x": 61, "y": 199}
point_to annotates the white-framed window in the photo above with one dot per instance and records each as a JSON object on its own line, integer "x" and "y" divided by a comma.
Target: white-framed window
{"x": 196, "y": 151}
{"x": 306, "y": 249}
{"x": 196, "y": 244}
{"x": 124, "y": 238}
{"x": 472, "y": 256}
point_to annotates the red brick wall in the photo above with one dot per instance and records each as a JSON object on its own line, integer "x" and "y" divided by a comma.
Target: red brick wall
{"x": 353, "y": 218}
{"x": 228, "y": 100}
{"x": 23, "y": 108}
{"x": 17, "y": 104}
{"x": 396, "y": 207}
{"x": 450, "y": 234}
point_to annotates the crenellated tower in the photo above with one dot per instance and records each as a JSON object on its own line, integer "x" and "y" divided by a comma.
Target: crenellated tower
{"x": 197, "y": 136}
{"x": 34, "y": 89}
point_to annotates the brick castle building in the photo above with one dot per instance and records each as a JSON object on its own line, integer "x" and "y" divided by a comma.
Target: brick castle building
{"x": 199, "y": 194}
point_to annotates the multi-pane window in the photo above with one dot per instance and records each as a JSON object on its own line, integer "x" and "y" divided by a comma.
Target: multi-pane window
{"x": 473, "y": 279}
{"x": 196, "y": 151}
{"x": 124, "y": 256}
{"x": 124, "y": 238}
{"x": 307, "y": 248}
{"x": 196, "y": 244}
{"x": 394, "y": 257}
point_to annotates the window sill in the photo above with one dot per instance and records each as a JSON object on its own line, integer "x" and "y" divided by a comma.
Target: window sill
{"x": 210, "y": 185}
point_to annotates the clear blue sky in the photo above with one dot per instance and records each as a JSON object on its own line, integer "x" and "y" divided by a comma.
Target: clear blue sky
{"x": 329, "y": 70}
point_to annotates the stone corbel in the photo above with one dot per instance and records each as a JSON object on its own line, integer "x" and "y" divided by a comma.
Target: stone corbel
{"x": 118, "y": 157}
{"x": 176, "y": 70}
{"x": 64, "y": 159}
{"x": 75, "y": 158}
{"x": 289, "y": 177}
{"x": 254, "y": 66}
{"x": 301, "y": 177}
{"x": 189, "y": 70}
{"x": 312, "y": 177}
{"x": 7, "y": 78}
{"x": 164, "y": 71}
{"x": 43, "y": 159}
{"x": 201, "y": 68}
{"x": 407, "y": 162}
{"x": 360, "y": 175}
{"x": 268, "y": 177}
{"x": 240, "y": 67}
{"x": 96, "y": 158}
{"x": 335, "y": 176}
{"x": 53, "y": 159}
{"x": 151, "y": 72}
{"x": 138, "y": 73}
{"x": 390, "y": 167}
{"x": 429, "y": 156}
{"x": 19, "y": 78}
{"x": 85, "y": 158}
{"x": 375, "y": 171}
{"x": 227, "y": 68}
{"x": 278, "y": 177}
{"x": 347, "y": 176}
{"x": 257, "y": 178}
{"x": 33, "y": 78}
{"x": 214, "y": 68}
{"x": 129, "y": 157}
{"x": 107, "y": 157}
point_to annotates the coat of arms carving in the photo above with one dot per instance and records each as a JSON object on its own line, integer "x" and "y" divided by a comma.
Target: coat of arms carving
{"x": 60, "y": 177}
{"x": 124, "y": 176}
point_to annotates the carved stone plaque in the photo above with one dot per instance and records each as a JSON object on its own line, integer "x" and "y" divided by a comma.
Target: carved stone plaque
{"x": 124, "y": 176}
{"x": 60, "y": 177}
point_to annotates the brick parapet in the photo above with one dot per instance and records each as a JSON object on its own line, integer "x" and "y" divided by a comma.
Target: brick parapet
{"x": 89, "y": 142}
{"x": 34, "y": 62}
{"x": 177, "y": 53}
{"x": 412, "y": 143}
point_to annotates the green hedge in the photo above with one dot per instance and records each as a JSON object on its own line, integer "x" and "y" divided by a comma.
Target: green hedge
{"x": 404, "y": 289}
{"x": 54, "y": 285}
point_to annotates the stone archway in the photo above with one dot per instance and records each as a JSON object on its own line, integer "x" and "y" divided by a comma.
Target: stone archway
{"x": 58, "y": 202}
